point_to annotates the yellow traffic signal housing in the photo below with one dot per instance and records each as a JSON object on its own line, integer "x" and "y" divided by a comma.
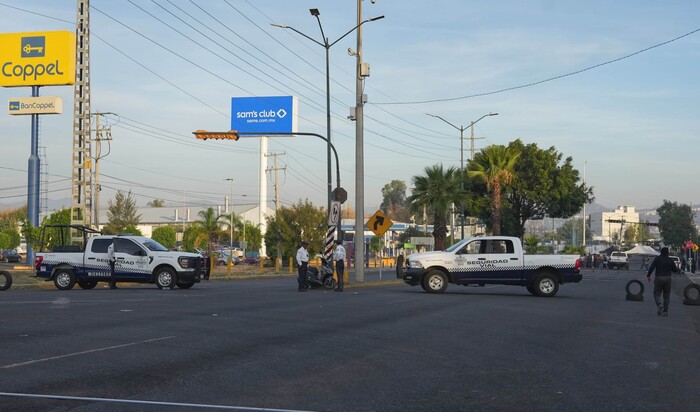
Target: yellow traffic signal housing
{"x": 204, "y": 135}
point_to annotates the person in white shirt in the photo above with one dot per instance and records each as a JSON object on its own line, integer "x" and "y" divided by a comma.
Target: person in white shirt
{"x": 339, "y": 257}
{"x": 303, "y": 263}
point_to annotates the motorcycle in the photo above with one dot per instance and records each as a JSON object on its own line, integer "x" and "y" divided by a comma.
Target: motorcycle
{"x": 323, "y": 277}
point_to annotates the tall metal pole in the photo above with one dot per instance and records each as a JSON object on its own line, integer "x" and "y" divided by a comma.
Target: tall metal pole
{"x": 359, "y": 159}
{"x": 584, "y": 204}
{"x": 33, "y": 166}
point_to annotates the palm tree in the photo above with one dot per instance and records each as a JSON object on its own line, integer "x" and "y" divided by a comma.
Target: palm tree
{"x": 210, "y": 224}
{"x": 494, "y": 165}
{"x": 436, "y": 192}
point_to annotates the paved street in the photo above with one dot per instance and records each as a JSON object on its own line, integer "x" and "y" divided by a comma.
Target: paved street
{"x": 261, "y": 344}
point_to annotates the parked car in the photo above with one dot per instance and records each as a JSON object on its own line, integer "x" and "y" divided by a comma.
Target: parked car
{"x": 618, "y": 260}
{"x": 222, "y": 259}
{"x": 11, "y": 256}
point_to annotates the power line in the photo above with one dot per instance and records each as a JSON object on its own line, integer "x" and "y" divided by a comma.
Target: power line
{"x": 449, "y": 99}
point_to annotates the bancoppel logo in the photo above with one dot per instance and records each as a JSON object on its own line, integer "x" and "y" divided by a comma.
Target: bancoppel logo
{"x": 14, "y": 105}
{"x": 34, "y": 46}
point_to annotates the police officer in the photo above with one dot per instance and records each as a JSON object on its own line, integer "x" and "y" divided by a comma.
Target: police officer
{"x": 303, "y": 263}
{"x": 339, "y": 257}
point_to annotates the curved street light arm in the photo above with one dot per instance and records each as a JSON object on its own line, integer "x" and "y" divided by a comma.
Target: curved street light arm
{"x": 353, "y": 29}
{"x": 461, "y": 129}
{"x": 337, "y": 164}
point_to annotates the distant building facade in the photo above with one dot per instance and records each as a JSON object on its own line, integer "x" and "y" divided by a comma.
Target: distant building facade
{"x": 607, "y": 226}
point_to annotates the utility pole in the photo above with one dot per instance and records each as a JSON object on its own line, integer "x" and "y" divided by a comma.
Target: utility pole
{"x": 278, "y": 262}
{"x": 81, "y": 190}
{"x": 107, "y": 129}
{"x": 472, "y": 138}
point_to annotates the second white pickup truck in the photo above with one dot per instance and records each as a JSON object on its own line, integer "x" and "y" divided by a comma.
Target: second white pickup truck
{"x": 490, "y": 260}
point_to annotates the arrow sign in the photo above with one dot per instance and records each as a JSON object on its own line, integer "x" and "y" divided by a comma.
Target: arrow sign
{"x": 378, "y": 222}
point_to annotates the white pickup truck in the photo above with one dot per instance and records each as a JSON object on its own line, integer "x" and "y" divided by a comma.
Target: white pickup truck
{"x": 490, "y": 260}
{"x": 137, "y": 259}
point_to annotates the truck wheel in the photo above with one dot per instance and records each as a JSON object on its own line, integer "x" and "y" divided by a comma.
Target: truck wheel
{"x": 185, "y": 285}
{"x": 165, "y": 278}
{"x": 87, "y": 284}
{"x": 64, "y": 279}
{"x": 435, "y": 282}
{"x": 531, "y": 290}
{"x": 5, "y": 280}
{"x": 546, "y": 285}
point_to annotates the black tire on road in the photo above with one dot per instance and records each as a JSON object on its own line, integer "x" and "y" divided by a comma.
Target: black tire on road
{"x": 435, "y": 281}
{"x": 165, "y": 278}
{"x": 87, "y": 283}
{"x": 64, "y": 279}
{"x": 5, "y": 280}
{"x": 691, "y": 295}
{"x": 182, "y": 285}
{"x": 531, "y": 290}
{"x": 637, "y": 297}
{"x": 546, "y": 285}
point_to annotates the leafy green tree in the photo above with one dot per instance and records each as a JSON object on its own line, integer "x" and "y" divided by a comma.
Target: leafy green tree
{"x": 676, "y": 223}
{"x": 435, "y": 193}
{"x": 495, "y": 166}
{"x": 291, "y": 225}
{"x": 544, "y": 185}
{"x": 9, "y": 239}
{"x": 53, "y": 235}
{"x": 121, "y": 213}
{"x": 165, "y": 235}
{"x": 210, "y": 223}
{"x": 132, "y": 230}
{"x": 193, "y": 237}
{"x": 531, "y": 245}
{"x": 156, "y": 203}
{"x": 570, "y": 231}
{"x": 394, "y": 204}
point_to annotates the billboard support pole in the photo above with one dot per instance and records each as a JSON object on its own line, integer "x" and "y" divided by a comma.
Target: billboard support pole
{"x": 33, "y": 166}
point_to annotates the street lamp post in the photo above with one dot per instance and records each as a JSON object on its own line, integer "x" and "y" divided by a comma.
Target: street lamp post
{"x": 461, "y": 148}
{"x": 327, "y": 45}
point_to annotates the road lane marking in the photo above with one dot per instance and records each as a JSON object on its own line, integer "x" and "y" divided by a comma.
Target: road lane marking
{"x": 68, "y": 355}
{"x": 133, "y": 401}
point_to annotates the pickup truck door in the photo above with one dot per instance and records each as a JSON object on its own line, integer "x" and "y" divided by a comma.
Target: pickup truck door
{"x": 131, "y": 260}
{"x": 491, "y": 261}
{"x": 96, "y": 262}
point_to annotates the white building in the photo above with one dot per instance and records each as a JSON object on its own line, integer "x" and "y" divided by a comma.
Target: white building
{"x": 608, "y": 225}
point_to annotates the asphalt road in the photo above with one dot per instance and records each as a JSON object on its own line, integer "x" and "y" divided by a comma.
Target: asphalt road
{"x": 260, "y": 344}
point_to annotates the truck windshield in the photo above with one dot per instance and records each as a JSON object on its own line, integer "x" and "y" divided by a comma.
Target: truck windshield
{"x": 458, "y": 245}
{"x": 154, "y": 246}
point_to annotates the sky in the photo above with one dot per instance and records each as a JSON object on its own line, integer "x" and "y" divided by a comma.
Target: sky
{"x": 613, "y": 85}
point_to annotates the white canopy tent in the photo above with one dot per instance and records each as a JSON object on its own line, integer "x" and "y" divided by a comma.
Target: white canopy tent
{"x": 643, "y": 250}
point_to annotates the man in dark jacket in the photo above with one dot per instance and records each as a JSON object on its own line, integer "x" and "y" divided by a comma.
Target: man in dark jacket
{"x": 664, "y": 267}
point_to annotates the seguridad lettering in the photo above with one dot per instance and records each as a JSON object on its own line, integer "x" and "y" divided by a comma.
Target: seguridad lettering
{"x": 30, "y": 70}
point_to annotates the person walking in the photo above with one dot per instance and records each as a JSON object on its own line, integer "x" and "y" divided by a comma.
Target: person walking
{"x": 339, "y": 257}
{"x": 303, "y": 264}
{"x": 664, "y": 267}
{"x": 112, "y": 262}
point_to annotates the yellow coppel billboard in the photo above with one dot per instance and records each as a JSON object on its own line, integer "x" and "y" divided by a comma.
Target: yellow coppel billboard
{"x": 37, "y": 59}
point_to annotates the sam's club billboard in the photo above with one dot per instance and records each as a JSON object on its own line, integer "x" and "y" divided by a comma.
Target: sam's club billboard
{"x": 267, "y": 114}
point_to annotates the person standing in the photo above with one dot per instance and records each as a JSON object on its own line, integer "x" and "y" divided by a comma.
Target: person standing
{"x": 664, "y": 267}
{"x": 112, "y": 262}
{"x": 339, "y": 257}
{"x": 303, "y": 264}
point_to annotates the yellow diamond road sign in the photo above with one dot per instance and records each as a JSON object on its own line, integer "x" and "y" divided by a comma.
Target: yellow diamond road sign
{"x": 379, "y": 223}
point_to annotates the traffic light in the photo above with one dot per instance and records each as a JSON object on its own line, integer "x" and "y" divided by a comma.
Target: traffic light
{"x": 204, "y": 135}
